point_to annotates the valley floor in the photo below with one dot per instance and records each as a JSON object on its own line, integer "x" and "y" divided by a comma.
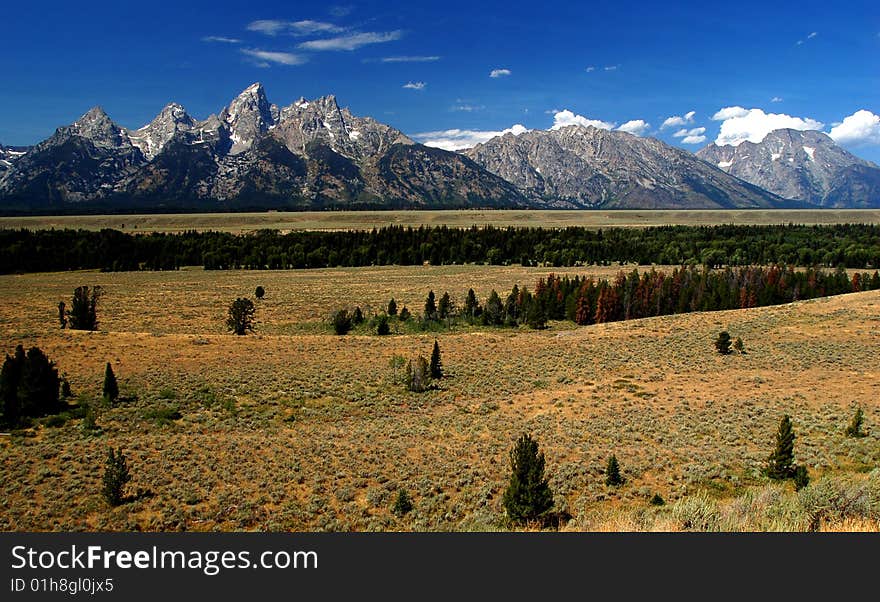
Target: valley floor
{"x": 295, "y": 428}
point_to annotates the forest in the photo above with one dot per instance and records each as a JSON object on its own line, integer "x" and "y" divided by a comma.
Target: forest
{"x": 846, "y": 245}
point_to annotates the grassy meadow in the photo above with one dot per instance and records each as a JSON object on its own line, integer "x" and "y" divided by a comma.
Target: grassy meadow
{"x": 294, "y": 428}
{"x": 465, "y": 218}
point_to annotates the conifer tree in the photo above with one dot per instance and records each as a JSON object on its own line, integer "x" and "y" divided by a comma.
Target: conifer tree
{"x": 382, "y": 327}
{"x": 613, "y": 478}
{"x": 722, "y": 343}
{"x": 341, "y": 322}
{"x": 780, "y": 463}
{"x": 436, "y": 364}
{"x": 38, "y": 385}
{"x": 511, "y": 307}
{"x": 444, "y": 307}
{"x": 404, "y": 314}
{"x": 855, "y": 426}
{"x": 83, "y": 311}
{"x": 392, "y": 307}
{"x": 260, "y": 292}
{"x": 116, "y": 475}
{"x": 403, "y": 504}
{"x": 472, "y": 308}
{"x": 9, "y": 378}
{"x": 111, "y": 387}
{"x": 493, "y": 314}
{"x": 357, "y": 316}
{"x": 430, "y": 307}
{"x": 240, "y": 316}
{"x": 528, "y": 495}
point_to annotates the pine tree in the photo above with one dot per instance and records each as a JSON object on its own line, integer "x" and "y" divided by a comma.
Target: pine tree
{"x": 382, "y": 327}
{"x": 357, "y": 316}
{"x": 9, "y": 378}
{"x": 240, "y": 316}
{"x": 403, "y": 504}
{"x": 780, "y": 463}
{"x": 116, "y": 475}
{"x": 528, "y": 495}
{"x": 855, "y": 426}
{"x": 722, "y": 343}
{"x": 444, "y": 308}
{"x": 392, "y": 307}
{"x": 111, "y": 387}
{"x": 83, "y": 312}
{"x": 436, "y": 364}
{"x": 493, "y": 314}
{"x": 801, "y": 477}
{"x": 472, "y": 308}
{"x": 404, "y": 314}
{"x": 260, "y": 292}
{"x": 613, "y": 478}
{"x": 430, "y": 307}
{"x": 39, "y": 385}
{"x": 341, "y": 322}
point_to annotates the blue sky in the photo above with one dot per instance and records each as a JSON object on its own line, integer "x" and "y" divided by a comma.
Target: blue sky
{"x": 736, "y": 70}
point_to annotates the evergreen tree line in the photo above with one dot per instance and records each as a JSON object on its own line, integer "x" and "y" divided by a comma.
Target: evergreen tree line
{"x": 849, "y": 245}
{"x": 634, "y": 295}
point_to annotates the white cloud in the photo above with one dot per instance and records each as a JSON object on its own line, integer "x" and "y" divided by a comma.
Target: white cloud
{"x": 455, "y": 139}
{"x": 496, "y": 73}
{"x": 776, "y": 99}
{"x": 566, "y": 118}
{"x": 282, "y": 58}
{"x": 341, "y": 10}
{"x": 612, "y": 67}
{"x": 812, "y": 35}
{"x": 678, "y": 120}
{"x": 859, "y": 129}
{"x": 590, "y": 69}
{"x": 352, "y": 41}
{"x": 691, "y": 136}
{"x": 273, "y": 27}
{"x": 415, "y": 85}
{"x": 637, "y": 127}
{"x": 730, "y": 113}
{"x": 221, "y": 39}
{"x": 739, "y": 124}
{"x": 409, "y": 59}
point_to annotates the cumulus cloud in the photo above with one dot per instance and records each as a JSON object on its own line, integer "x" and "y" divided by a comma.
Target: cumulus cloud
{"x": 415, "y": 85}
{"x": 739, "y": 125}
{"x": 409, "y": 59}
{"x": 352, "y": 41}
{"x": 455, "y": 139}
{"x": 678, "y": 120}
{"x": 496, "y": 73}
{"x": 691, "y": 136}
{"x": 566, "y": 118}
{"x": 859, "y": 129}
{"x": 265, "y": 57}
{"x": 273, "y": 27}
{"x": 221, "y": 39}
{"x": 637, "y": 127}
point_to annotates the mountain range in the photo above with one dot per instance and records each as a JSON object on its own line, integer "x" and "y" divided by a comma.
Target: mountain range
{"x": 312, "y": 154}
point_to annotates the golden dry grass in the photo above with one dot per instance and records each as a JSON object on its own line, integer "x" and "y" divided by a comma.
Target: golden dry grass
{"x": 295, "y": 428}
{"x": 365, "y": 220}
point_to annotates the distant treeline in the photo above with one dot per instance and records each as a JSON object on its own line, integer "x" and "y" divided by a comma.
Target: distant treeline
{"x": 634, "y": 295}
{"x": 848, "y": 245}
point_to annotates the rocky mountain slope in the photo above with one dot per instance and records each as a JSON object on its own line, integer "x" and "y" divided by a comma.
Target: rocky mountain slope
{"x": 801, "y": 165}
{"x": 253, "y": 154}
{"x": 584, "y": 166}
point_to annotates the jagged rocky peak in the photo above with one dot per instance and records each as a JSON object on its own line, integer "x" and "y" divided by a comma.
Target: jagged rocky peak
{"x": 322, "y": 121}
{"x": 153, "y": 137}
{"x": 800, "y": 165}
{"x": 247, "y": 117}
{"x": 585, "y": 166}
{"x": 97, "y": 126}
